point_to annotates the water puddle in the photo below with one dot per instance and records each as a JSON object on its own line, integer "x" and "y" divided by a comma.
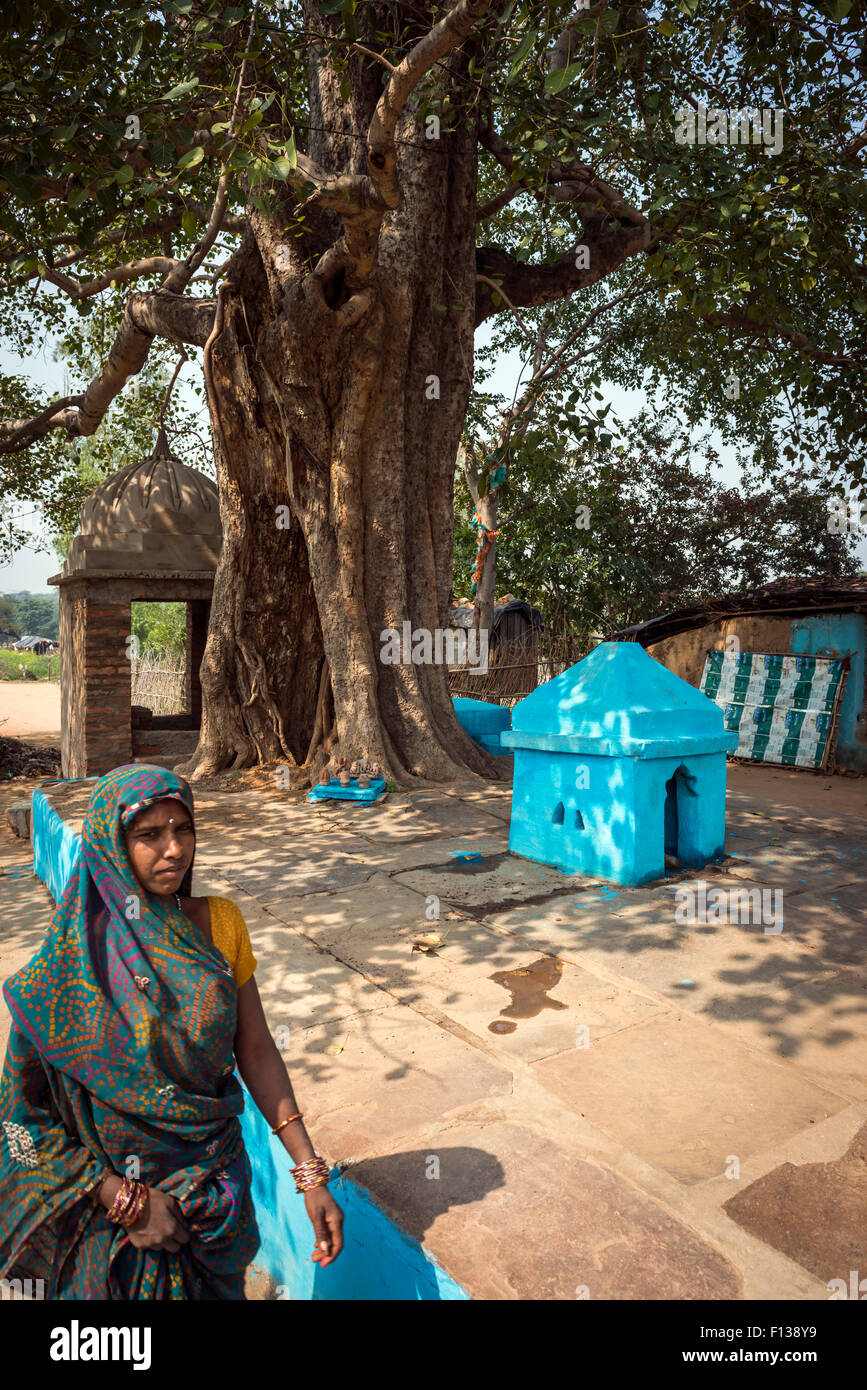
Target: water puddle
{"x": 529, "y": 988}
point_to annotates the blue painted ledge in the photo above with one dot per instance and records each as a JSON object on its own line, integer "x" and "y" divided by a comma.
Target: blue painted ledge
{"x": 379, "y": 1261}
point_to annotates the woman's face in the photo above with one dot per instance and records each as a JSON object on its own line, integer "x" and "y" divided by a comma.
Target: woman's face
{"x": 160, "y": 842}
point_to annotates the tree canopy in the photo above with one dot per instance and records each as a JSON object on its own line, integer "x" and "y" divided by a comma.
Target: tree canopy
{"x": 601, "y": 538}
{"x": 118, "y": 121}
{"x": 324, "y": 201}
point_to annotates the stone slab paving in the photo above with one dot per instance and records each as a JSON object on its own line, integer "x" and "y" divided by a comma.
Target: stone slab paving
{"x": 645, "y": 1058}
{"x": 26, "y": 907}
{"x": 394, "y": 1074}
{"x": 775, "y": 991}
{"x": 484, "y": 885}
{"x": 495, "y": 800}
{"x": 790, "y": 1208}
{"x": 514, "y": 1214}
{"x": 717, "y": 1097}
{"x": 831, "y": 926}
{"x": 403, "y": 817}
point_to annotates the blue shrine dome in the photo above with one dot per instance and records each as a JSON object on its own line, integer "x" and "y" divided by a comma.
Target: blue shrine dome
{"x": 619, "y": 702}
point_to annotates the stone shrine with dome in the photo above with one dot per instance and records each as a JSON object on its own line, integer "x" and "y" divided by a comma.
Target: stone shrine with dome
{"x": 149, "y": 532}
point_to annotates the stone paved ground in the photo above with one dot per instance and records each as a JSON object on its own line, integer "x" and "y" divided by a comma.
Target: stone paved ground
{"x": 673, "y": 1111}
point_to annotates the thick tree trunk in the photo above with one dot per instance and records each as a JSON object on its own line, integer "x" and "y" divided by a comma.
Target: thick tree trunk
{"x": 353, "y": 424}
{"x": 264, "y": 654}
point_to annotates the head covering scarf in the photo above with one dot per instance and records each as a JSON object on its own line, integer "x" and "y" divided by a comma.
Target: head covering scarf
{"x": 120, "y": 1057}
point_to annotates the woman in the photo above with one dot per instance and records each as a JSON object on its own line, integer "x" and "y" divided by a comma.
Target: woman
{"x": 123, "y": 1173}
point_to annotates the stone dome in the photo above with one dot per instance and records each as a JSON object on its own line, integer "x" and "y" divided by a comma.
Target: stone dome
{"x": 156, "y": 493}
{"x": 154, "y": 515}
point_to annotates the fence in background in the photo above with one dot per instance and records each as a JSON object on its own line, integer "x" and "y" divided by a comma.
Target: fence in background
{"x": 516, "y": 668}
{"x": 158, "y": 682}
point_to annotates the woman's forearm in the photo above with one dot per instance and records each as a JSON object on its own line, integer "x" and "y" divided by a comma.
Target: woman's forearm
{"x": 266, "y": 1079}
{"x": 108, "y": 1190}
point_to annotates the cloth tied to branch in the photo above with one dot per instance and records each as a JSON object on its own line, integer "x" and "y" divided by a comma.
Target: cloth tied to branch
{"x": 483, "y": 545}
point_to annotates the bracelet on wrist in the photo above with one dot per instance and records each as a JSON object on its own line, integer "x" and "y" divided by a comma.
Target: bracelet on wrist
{"x": 313, "y": 1172}
{"x": 129, "y": 1203}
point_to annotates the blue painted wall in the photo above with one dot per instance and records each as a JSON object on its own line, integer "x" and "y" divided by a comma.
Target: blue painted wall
{"x": 378, "y": 1261}
{"x": 833, "y": 634}
{"x": 483, "y": 722}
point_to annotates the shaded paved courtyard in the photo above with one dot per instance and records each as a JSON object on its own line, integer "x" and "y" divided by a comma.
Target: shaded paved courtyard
{"x": 623, "y": 1100}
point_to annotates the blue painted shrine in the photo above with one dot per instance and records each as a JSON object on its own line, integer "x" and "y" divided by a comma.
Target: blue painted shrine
{"x": 618, "y": 762}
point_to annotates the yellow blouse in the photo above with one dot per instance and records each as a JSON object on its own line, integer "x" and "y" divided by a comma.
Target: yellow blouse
{"x": 230, "y": 934}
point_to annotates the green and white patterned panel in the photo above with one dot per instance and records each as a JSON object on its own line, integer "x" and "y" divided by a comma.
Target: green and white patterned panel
{"x": 780, "y": 706}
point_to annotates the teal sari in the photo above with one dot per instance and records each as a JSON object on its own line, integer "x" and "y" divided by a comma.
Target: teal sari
{"x": 120, "y": 1059}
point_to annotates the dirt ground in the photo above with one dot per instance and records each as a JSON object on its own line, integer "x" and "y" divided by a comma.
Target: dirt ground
{"x": 800, "y": 787}
{"x": 31, "y": 710}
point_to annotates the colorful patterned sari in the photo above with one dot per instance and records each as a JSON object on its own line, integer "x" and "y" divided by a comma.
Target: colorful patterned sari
{"x": 121, "y": 1057}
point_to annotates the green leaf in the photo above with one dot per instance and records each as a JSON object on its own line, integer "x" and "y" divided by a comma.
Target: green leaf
{"x": 666, "y": 27}
{"x": 521, "y": 52}
{"x": 291, "y": 152}
{"x": 191, "y": 158}
{"x": 181, "y": 89}
{"x": 556, "y": 81}
{"x": 189, "y": 222}
{"x": 333, "y": 6}
{"x": 125, "y": 174}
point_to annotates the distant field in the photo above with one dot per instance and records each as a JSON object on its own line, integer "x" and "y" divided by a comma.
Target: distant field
{"x": 36, "y": 668}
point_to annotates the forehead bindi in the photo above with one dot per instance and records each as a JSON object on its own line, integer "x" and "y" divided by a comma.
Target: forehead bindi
{"x": 161, "y": 818}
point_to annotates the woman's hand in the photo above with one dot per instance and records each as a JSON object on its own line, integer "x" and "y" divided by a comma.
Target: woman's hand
{"x": 161, "y": 1224}
{"x": 327, "y": 1218}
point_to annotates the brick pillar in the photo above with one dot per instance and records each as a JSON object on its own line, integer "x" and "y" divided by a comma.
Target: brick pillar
{"x": 106, "y": 692}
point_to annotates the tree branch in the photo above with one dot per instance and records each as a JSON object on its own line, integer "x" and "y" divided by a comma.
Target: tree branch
{"x": 524, "y": 285}
{"x": 485, "y": 280}
{"x": 570, "y": 183}
{"x": 83, "y": 289}
{"x": 779, "y": 330}
{"x": 442, "y": 39}
{"x": 131, "y": 345}
{"x": 495, "y": 205}
{"x": 17, "y": 434}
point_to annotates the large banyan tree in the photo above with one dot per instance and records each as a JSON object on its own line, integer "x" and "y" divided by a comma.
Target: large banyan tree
{"x": 329, "y": 199}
